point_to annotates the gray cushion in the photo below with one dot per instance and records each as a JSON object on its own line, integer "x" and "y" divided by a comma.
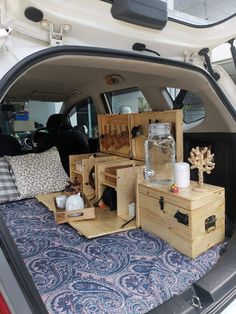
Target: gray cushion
{"x": 8, "y": 190}
{"x": 38, "y": 173}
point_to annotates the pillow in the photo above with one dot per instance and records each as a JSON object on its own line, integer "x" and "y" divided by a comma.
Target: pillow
{"x": 38, "y": 173}
{"x": 8, "y": 190}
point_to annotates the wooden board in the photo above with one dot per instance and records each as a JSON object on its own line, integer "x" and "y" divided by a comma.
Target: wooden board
{"x": 113, "y": 126}
{"x": 106, "y": 221}
{"x": 175, "y": 117}
{"x": 189, "y": 198}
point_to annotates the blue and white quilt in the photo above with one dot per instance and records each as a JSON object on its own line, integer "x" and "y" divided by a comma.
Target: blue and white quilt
{"x": 127, "y": 272}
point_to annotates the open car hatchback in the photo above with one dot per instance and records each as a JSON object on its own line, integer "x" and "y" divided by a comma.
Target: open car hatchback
{"x": 91, "y": 59}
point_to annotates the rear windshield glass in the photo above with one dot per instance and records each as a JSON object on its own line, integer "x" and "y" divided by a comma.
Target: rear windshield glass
{"x": 202, "y": 12}
{"x": 127, "y": 101}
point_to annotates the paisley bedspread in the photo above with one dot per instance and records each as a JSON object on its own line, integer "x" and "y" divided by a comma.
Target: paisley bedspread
{"x": 128, "y": 272}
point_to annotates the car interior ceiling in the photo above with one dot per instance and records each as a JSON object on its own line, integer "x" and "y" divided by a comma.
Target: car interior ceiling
{"x": 73, "y": 78}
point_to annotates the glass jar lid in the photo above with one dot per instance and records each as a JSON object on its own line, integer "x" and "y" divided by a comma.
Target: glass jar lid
{"x": 159, "y": 128}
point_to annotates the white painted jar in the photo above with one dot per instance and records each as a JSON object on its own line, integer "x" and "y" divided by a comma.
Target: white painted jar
{"x": 74, "y": 202}
{"x": 182, "y": 174}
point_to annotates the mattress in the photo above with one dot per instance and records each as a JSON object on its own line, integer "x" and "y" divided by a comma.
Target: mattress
{"x": 127, "y": 272}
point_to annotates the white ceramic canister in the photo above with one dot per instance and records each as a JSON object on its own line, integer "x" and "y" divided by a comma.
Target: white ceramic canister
{"x": 182, "y": 174}
{"x": 74, "y": 202}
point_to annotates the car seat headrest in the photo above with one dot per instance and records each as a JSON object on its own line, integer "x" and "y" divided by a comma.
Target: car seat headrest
{"x": 58, "y": 122}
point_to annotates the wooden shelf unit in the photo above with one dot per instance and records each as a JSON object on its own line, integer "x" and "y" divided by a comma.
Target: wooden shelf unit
{"x": 122, "y": 176}
{"x": 110, "y": 170}
{"x": 81, "y": 165}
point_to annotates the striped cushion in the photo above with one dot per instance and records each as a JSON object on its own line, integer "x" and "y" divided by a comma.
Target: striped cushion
{"x": 8, "y": 190}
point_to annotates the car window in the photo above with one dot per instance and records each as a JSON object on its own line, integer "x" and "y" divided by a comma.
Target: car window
{"x": 83, "y": 116}
{"x": 127, "y": 101}
{"x": 191, "y": 103}
{"x": 21, "y": 119}
{"x": 201, "y": 12}
{"x": 193, "y": 109}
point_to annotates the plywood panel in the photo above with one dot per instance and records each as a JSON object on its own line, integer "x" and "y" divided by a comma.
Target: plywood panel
{"x": 115, "y": 125}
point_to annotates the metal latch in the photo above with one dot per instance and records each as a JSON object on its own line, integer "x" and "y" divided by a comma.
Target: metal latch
{"x": 196, "y": 302}
{"x": 161, "y": 202}
{"x": 56, "y": 38}
{"x": 210, "y": 223}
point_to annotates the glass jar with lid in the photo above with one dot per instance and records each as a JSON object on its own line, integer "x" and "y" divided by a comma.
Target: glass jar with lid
{"x": 159, "y": 155}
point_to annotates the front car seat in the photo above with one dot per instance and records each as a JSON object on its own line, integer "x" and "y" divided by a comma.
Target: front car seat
{"x": 67, "y": 140}
{"x": 58, "y": 122}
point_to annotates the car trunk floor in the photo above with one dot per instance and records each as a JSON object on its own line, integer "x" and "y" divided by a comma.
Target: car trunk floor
{"x": 126, "y": 272}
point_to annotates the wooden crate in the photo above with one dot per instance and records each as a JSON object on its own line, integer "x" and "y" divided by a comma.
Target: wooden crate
{"x": 191, "y": 220}
{"x": 116, "y": 132}
{"x": 61, "y": 215}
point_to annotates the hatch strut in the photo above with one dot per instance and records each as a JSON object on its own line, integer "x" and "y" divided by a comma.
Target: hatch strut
{"x": 178, "y": 102}
{"x": 233, "y": 50}
{"x": 204, "y": 52}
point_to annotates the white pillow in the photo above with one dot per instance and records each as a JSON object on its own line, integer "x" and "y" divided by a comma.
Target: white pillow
{"x": 38, "y": 173}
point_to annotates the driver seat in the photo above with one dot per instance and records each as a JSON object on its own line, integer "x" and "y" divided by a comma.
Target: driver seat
{"x": 67, "y": 140}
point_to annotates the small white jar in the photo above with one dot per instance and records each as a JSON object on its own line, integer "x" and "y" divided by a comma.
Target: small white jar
{"x": 74, "y": 202}
{"x": 61, "y": 201}
{"x": 182, "y": 174}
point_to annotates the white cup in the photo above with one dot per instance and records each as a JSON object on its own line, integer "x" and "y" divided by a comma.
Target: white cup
{"x": 61, "y": 201}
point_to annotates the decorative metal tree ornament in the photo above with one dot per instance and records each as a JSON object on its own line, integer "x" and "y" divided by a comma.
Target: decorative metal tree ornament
{"x": 201, "y": 158}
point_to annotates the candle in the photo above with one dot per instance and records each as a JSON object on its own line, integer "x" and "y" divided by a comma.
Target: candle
{"x": 182, "y": 174}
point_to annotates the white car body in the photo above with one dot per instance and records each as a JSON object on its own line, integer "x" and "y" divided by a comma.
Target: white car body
{"x": 90, "y": 23}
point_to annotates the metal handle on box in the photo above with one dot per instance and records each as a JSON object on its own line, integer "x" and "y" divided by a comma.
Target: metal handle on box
{"x": 210, "y": 223}
{"x": 181, "y": 218}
